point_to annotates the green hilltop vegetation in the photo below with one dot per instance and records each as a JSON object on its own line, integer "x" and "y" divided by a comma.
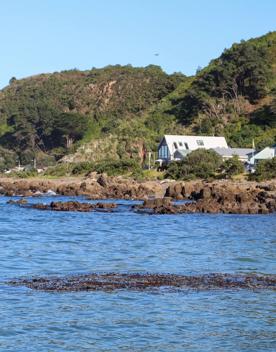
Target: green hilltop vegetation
{"x": 118, "y": 112}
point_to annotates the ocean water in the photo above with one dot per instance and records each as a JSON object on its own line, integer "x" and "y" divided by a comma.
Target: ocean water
{"x": 34, "y": 242}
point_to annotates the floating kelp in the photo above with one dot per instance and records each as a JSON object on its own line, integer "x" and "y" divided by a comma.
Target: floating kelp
{"x": 115, "y": 281}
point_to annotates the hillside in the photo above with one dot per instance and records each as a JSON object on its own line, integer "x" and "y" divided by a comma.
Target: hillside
{"x": 235, "y": 95}
{"x": 46, "y": 114}
{"x": 119, "y": 111}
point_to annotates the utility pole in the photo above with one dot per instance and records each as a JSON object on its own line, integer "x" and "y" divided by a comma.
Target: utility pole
{"x": 253, "y": 147}
{"x": 149, "y": 159}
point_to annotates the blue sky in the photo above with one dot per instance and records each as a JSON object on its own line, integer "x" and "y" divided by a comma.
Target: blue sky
{"x": 52, "y": 35}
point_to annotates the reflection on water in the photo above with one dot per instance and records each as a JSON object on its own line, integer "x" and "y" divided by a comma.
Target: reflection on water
{"x": 39, "y": 243}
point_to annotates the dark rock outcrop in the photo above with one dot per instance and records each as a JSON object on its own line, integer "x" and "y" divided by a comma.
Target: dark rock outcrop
{"x": 73, "y": 206}
{"x": 224, "y": 197}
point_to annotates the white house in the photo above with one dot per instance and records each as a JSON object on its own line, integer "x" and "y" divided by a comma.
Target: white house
{"x": 175, "y": 147}
{"x": 266, "y": 153}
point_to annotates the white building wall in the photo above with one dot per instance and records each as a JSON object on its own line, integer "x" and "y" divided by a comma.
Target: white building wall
{"x": 175, "y": 142}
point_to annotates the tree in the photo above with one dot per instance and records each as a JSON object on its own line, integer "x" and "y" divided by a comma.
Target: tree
{"x": 241, "y": 71}
{"x": 71, "y": 126}
{"x": 265, "y": 170}
{"x": 13, "y": 79}
{"x": 200, "y": 163}
{"x": 232, "y": 167}
{"x": 266, "y": 116}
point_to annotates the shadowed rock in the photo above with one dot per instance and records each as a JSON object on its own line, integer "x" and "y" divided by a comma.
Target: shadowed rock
{"x": 18, "y": 202}
{"x": 73, "y": 206}
{"x": 227, "y": 198}
{"x": 114, "y": 281}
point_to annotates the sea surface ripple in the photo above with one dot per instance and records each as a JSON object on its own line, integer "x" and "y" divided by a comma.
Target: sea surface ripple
{"x": 41, "y": 243}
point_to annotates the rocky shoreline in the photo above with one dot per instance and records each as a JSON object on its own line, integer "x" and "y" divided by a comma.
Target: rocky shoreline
{"x": 137, "y": 281}
{"x": 159, "y": 196}
{"x": 95, "y": 186}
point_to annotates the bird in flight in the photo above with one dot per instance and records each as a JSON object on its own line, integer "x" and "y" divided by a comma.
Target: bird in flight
{"x": 156, "y": 54}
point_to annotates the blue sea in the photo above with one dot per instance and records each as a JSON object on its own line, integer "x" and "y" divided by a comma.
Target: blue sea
{"x": 41, "y": 243}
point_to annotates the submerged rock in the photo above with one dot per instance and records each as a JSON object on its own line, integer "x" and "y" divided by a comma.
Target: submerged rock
{"x": 114, "y": 281}
{"x": 73, "y": 206}
{"x": 18, "y": 202}
{"x": 105, "y": 205}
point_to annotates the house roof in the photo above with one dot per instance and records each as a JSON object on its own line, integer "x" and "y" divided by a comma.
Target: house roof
{"x": 266, "y": 153}
{"x": 192, "y": 142}
{"x": 181, "y": 152}
{"x": 228, "y": 152}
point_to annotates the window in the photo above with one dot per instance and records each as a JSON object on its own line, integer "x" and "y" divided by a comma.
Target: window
{"x": 186, "y": 146}
{"x": 200, "y": 142}
{"x": 175, "y": 145}
{"x": 163, "y": 152}
{"x": 180, "y": 144}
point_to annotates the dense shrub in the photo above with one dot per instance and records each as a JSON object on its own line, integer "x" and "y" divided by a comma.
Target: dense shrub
{"x": 117, "y": 167}
{"x": 232, "y": 167}
{"x": 7, "y": 159}
{"x": 82, "y": 168}
{"x": 24, "y": 173}
{"x": 110, "y": 167}
{"x": 265, "y": 170}
{"x": 64, "y": 169}
{"x": 199, "y": 163}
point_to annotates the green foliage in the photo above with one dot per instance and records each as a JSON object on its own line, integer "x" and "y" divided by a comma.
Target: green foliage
{"x": 265, "y": 170}
{"x": 54, "y": 114}
{"x": 234, "y": 95}
{"x": 12, "y": 80}
{"x": 232, "y": 167}
{"x": 71, "y": 127}
{"x": 266, "y": 116}
{"x": 240, "y": 133}
{"x": 117, "y": 167}
{"x": 110, "y": 167}
{"x": 153, "y": 174}
{"x": 24, "y": 173}
{"x": 4, "y": 128}
{"x": 93, "y": 131}
{"x": 241, "y": 70}
{"x": 82, "y": 168}
{"x": 51, "y": 111}
{"x": 200, "y": 163}
{"x": 60, "y": 170}
{"x": 7, "y": 159}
